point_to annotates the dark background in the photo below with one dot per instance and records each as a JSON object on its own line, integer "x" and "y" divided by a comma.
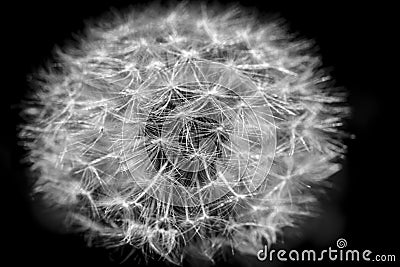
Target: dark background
{"x": 355, "y": 39}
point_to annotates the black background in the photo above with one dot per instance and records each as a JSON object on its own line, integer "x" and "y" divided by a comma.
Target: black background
{"x": 355, "y": 39}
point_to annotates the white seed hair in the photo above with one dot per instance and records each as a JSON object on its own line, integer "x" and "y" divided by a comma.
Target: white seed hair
{"x": 87, "y": 129}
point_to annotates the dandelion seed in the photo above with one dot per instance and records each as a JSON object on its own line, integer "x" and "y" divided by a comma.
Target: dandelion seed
{"x": 185, "y": 140}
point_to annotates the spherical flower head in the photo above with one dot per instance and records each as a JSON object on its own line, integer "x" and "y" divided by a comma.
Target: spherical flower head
{"x": 184, "y": 130}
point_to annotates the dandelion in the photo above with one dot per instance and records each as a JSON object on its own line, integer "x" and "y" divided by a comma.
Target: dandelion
{"x": 184, "y": 131}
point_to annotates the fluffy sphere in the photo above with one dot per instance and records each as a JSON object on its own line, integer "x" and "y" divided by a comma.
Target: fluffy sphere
{"x": 183, "y": 131}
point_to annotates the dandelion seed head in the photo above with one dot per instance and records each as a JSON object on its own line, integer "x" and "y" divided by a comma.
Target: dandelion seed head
{"x": 184, "y": 132}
